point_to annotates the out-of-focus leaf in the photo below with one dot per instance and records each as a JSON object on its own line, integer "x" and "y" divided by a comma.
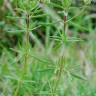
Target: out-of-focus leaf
{"x": 66, "y": 3}
{"x": 77, "y": 76}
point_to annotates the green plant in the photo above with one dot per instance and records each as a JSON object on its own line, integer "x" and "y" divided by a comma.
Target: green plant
{"x": 47, "y": 48}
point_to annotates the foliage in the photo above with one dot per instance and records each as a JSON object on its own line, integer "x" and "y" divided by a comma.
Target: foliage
{"x": 47, "y": 48}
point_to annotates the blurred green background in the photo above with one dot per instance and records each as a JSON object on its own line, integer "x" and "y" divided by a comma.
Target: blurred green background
{"x": 47, "y": 48}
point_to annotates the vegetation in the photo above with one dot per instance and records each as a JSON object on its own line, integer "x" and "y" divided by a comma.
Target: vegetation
{"x": 47, "y": 48}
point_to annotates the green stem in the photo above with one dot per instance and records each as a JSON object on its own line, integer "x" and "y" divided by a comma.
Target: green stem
{"x": 27, "y": 44}
{"x": 62, "y": 59}
{"x": 26, "y": 55}
{"x": 59, "y": 74}
{"x": 18, "y": 87}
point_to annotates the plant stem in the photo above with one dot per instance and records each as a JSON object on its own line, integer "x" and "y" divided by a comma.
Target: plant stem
{"x": 65, "y": 27}
{"x": 59, "y": 73}
{"x": 26, "y": 55}
{"x": 27, "y": 29}
{"x": 65, "y": 23}
{"x": 18, "y": 87}
{"x": 62, "y": 58}
{"x": 27, "y": 44}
